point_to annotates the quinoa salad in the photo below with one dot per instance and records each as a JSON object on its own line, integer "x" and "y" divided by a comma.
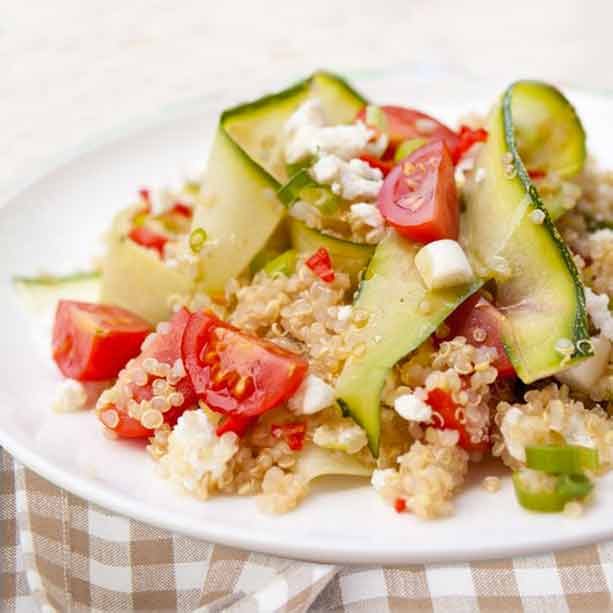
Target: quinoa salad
{"x": 350, "y": 288}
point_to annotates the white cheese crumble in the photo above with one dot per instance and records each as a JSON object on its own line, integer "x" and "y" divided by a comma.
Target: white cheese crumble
{"x": 70, "y": 396}
{"x": 442, "y": 264}
{"x": 345, "y": 141}
{"x": 380, "y": 477}
{"x": 598, "y": 308}
{"x": 194, "y": 450}
{"x": 353, "y": 179}
{"x": 584, "y": 375}
{"x": 368, "y": 214}
{"x": 412, "y": 408}
{"x": 301, "y": 129}
{"x": 312, "y": 396}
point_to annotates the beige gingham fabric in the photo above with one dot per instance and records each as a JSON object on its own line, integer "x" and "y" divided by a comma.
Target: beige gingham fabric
{"x": 60, "y": 553}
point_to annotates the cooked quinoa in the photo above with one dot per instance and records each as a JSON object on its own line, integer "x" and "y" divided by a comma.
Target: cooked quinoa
{"x": 447, "y": 404}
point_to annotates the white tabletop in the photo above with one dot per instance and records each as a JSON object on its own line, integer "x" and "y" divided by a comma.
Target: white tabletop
{"x": 71, "y": 70}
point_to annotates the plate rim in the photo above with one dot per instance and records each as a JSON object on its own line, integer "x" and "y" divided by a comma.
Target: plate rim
{"x": 105, "y": 497}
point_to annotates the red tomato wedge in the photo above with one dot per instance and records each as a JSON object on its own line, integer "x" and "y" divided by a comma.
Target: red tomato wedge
{"x": 164, "y": 348}
{"x": 235, "y": 373}
{"x": 92, "y": 342}
{"x": 480, "y": 322}
{"x": 442, "y": 402}
{"x": 404, "y": 124}
{"x": 148, "y": 238}
{"x": 419, "y": 196}
{"x": 321, "y": 264}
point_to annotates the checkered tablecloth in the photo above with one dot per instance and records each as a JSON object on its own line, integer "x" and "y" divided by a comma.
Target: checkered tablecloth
{"x": 60, "y": 553}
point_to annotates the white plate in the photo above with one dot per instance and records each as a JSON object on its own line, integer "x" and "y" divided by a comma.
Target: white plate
{"x": 54, "y": 224}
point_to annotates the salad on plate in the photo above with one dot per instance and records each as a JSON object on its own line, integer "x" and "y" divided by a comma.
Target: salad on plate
{"x": 358, "y": 289}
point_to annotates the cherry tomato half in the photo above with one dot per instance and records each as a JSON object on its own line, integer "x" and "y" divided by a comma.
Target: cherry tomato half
{"x": 481, "y": 323}
{"x": 442, "y": 402}
{"x": 419, "y": 195}
{"x": 164, "y": 348}
{"x": 92, "y": 342}
{"x": 235, "y": 373}
{"x": 404, "y": 124}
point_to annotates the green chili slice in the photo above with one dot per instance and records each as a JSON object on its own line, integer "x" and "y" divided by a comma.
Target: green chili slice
{"x": 567, "y": 488}
{"x": 283, "y": 264}
{"x": 562, "y": 459}
{"x": 197, "y": 239}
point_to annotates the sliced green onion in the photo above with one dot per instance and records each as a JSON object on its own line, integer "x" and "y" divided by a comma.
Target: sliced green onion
{"x": 407, "y": 147}
{"x": 290, "y": 192}
{"x": 283, "y": 264}
{"x": 52, "y": 280}
{"x": 562, "y": 459}
{"x": 197, "y": 239}
{"x": 568, "y": 487}
{"x": 296, "y": 167}
{"x": 375, "y": 118}
{"x": 322, "y": 198}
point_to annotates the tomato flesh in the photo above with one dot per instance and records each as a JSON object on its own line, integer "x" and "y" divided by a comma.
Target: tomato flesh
{"x": 442, "y": 402}
{"x": 93, "y": 342}
{"x": 239, "y": 424}
{"x": 235, "y": 373}
{"x": 481, "y": 323}
{"x": 165, "y": 348}
{"x": 405, "y": 124}
{"x": 149, "y": 239}
{"x": 419, "y": 196}
{"x": 321, "y": 264}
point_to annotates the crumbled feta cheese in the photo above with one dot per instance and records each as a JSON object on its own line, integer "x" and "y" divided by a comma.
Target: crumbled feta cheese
{"x": 412, "y": 408}
{"x": 357, "y": 181}
{"x": 381, "y": 476}
{"x": 378, "y": 146}
{"x": 70, "y": 396}
{"x": 598, "y": 308}
{"x": 584, "y": 375}
{"x": 443, "y": 264}
{"x": 344, "y": 312}
{"x": 301, "y": 130}
{"x": 312, "y": 396}
{"x": 194, "y": 450}
{"x": 368, "y": 214}
{"x": 513, "y": 443}
{"x": 327, "y": 169}
{"x": 345, "y": 141}
{"x": 344, "y": 435}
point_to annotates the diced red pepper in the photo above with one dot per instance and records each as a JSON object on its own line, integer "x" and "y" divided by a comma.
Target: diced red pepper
{"x": 400, "y": 505}
{"x": 321, "y": 265}
{"x": 146, "y": 198}
{"x": 148, "y": 238}
{"x": 293, "y": 433}
{"x": 182, "y": 209}
{"x": 468, "y": 137}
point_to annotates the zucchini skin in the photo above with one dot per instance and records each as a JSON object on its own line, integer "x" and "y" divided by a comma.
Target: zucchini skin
{"x": 581, "y": 329}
